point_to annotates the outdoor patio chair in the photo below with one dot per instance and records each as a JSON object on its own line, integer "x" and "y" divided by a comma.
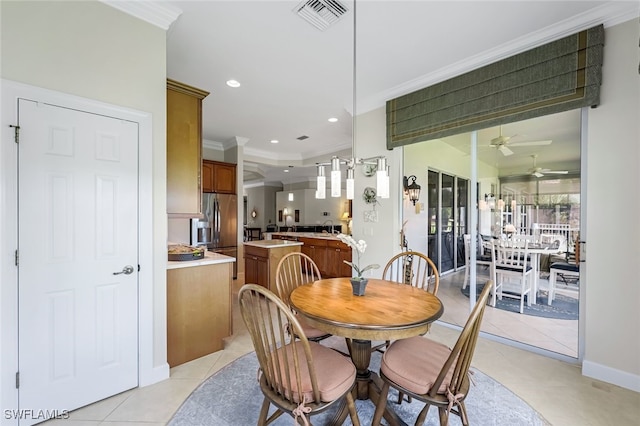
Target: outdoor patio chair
{"x": 481, "y": 259}
{"x": 509, "y": 261}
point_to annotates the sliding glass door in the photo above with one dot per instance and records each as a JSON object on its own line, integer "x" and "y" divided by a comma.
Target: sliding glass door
{"x": 534, "y": 188}
{"x": 447, "y": 200}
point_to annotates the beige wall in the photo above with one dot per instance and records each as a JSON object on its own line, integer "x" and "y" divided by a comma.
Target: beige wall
{"x": 612, "y": 339}
{"x": 91, "y": 50}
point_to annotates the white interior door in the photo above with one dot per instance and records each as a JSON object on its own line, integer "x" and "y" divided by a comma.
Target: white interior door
{"x": 78, "y": 183}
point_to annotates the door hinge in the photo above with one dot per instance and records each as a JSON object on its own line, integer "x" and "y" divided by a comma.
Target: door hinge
{"x": 16, "y": 130}
{"x": 138, "y": 268}
{"x": 17, "y": 258}
{"x": 17, "y": 380}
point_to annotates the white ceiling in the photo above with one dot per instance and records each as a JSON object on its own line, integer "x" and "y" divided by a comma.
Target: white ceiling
{"x": 294, "y": 76}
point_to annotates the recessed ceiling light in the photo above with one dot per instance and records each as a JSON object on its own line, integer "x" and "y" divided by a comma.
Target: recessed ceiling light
{"x": 286, "y": 170}
{"x": 274, "y": 141}
{"x": 333, "y": 120}
{"x": 233, "y": 83}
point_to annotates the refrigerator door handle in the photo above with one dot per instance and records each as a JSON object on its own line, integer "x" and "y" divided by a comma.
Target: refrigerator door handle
{"x": 216, "y": 212}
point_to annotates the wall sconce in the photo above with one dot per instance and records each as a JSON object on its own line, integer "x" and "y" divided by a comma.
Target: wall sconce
{"x": 254, "y": 213}
{"x": 412, "y": 189}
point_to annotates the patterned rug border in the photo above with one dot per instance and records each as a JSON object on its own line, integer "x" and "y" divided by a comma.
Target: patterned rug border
{"x": 563, "y": 307}
{"x": 232, "y": 402}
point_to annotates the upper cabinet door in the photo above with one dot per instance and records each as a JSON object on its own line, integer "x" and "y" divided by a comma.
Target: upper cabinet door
{"x": 207, "y": 177}
{"x": 218, "y": 177}
{"x": 184, "y": 149}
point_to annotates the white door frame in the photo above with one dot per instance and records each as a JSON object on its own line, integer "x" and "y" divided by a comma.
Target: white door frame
{"x": 10, "y": 92}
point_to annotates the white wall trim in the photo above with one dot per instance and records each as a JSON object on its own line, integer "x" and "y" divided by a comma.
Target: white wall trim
{"x": 11, "y": 91}
{"x": 611, "y": 375}
{"x": 160, "y": 14}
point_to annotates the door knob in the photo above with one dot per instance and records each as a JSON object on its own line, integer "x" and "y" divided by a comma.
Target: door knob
{"x": 127, "y": 270}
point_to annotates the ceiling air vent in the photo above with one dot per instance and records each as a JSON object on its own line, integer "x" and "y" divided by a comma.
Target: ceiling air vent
{"x": 303, "y": 137}
{"x": 320, "y": 13}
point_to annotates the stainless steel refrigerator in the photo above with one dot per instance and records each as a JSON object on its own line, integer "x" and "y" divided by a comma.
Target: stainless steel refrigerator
{"x": 218, "y": 229}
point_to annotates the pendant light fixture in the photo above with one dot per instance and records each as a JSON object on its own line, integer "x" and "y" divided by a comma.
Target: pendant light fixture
{"x": 382, "y": 174}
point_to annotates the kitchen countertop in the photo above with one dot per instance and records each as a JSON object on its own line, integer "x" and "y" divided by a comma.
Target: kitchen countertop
{"x": 272, "y": 243}
{"x": 210, "y": 258}
{"x": 323, "y": 235}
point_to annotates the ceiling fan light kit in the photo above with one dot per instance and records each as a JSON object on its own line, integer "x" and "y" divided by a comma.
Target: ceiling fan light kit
{"x": 502, "y": 143}
{"x": 540, "y": 172}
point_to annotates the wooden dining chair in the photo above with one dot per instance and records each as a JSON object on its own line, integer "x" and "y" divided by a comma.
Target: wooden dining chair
{"x": 294, "y": 270}
{"x": 299, "y": 377}
{"x": 431, "y": 372}
{"x": 413, "y": 268}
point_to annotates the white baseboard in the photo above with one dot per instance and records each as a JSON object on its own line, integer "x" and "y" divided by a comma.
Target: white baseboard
{"x": 155, "y": 375}
{"x": 611, "y": 375}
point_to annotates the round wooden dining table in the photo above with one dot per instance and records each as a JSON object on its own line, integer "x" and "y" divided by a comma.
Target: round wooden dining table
{"x": 387, "y": 311}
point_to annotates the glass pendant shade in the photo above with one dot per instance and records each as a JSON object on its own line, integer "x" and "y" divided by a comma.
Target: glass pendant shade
{"x": 350, "y": 184}
{"x": 321, "y": 184}
{"x": 382, "y": 178}
{"x": 336, "y": 177}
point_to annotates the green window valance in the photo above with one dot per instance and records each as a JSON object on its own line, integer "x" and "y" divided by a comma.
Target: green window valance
{"x": 558, "y": 76}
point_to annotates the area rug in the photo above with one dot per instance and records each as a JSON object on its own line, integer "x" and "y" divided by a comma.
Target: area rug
{"x": 232, "y": 397}
{"x": 562, "y": 307}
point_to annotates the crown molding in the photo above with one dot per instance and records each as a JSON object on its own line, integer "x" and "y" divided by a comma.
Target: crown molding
{"x": 609, "y": 14}
{"x": 158, "y": 13}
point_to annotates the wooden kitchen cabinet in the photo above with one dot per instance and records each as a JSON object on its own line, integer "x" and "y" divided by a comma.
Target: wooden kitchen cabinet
{"x": 184, "y": 149}
{"x": 198, "y": 311}
{"x": 256, "y": 266}
{"x": 316, "y": 249}
{"x": 337, "y": 253}
{"x": 218, "y": 177}
{"x": 261, "y": 260}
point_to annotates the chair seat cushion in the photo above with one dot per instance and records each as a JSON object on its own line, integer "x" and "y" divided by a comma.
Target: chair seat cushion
{"x": 483, "y": 258}
{"x": 513, "y": 268}
{"x": 415, "y": 363}
{"x": 565, "y": 267}
{"x": 309, "y": 331}
{"x": 335, "y": 372}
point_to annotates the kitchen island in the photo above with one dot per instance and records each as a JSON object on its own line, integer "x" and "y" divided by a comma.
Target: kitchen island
{"x": 198, "y": 306}
{"x": 327, "y": 251}
{"x": 261, "y": 259}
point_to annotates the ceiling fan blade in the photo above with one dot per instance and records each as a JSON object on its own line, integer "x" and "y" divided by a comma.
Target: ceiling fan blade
{"x": 537, "y": 174}
{"x": 556, "y": 172}
{"x": 505, "y": 151}
{"x": 531, "y": 143}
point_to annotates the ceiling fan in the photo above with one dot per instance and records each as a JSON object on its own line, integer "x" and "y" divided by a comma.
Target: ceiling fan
{"x": 502, "y": 143}
{"x": 539, "y": 171}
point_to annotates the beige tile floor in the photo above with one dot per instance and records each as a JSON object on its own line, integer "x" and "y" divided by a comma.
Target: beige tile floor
{"x": 554, "y": 388}
{"x": 560, "y": 336}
